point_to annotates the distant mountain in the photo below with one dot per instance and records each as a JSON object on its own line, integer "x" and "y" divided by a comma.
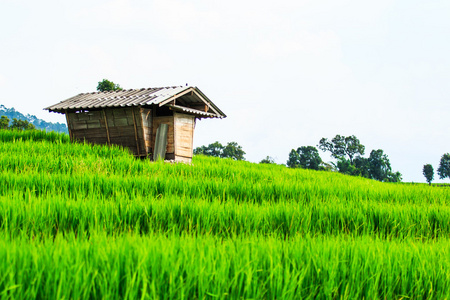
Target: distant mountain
{"x": 39, "y": 123}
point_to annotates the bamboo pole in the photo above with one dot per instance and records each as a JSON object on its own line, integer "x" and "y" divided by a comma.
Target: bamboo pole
{"x": 107, "y": 129}
{"x": 144, "y": 137}
{"x": 135, "y": 133}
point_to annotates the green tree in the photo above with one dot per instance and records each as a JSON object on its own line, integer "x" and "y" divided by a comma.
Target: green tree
{"x": 342, "y": 147}
{"x": 395, "y": 177}
{"x": 4, "y": 122}
{"x": 200, "y": 150}
{"x": 362, "y": 167}
{"x": 348, "y": 151}
{"x": 359, "y": 167}
{"x": 428, "y": 172}
{"x": 345, "y": 167}
{"x": 21, "y": 125}
{"x": 216, "y": 149}
{"x": 309, "y": 157}
{"x": 106, "y": 85}
{"x": 267, "y": 160}
{"x": 444, "y": 166}
{"x": 380, "y": 167}
{"x": 293, "y": 159}
{"x": 234, "y": 151}
{"x": 306, "y": 157}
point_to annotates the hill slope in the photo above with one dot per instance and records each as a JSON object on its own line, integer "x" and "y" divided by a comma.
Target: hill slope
{"x": 39, "y": 123}
{"x": 92, "y": 221}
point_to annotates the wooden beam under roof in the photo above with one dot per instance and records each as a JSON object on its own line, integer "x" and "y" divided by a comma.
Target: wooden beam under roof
{"x": 207, "y": 103}
{"x": 176, "y": 96}
{"x": 193, "y": 111}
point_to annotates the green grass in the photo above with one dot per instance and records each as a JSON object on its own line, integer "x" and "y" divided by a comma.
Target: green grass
{"x": 87, "y": 221}
{"x": 186, "y": 267}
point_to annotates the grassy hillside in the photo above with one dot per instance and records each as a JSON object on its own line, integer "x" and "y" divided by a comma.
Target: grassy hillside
{"x": 91, "y": 221}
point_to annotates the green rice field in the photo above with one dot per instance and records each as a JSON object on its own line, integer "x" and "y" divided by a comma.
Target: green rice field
{"x": 79, "y": 221}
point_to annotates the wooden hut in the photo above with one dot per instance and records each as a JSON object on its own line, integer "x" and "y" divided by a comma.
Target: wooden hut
{"x": 152, "y": 122}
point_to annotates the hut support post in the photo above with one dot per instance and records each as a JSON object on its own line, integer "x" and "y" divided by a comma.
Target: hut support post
{"x": 107, "y": 129}
{"x": 135, "y": 133}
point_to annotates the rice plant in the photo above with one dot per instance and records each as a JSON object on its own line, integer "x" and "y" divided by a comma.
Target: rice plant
{"x": 90, "y": 221}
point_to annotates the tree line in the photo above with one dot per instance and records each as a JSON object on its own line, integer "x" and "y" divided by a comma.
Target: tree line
{"x": 443, "y": 170}
{"x": 348, "y": 152}
{"x": 231, "y": 150}
{"x": 11, "y": 113}
{"x": 16, "y": 124}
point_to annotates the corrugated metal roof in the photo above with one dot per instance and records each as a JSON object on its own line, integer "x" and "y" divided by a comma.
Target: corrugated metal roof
{"x": 136, "y": 97}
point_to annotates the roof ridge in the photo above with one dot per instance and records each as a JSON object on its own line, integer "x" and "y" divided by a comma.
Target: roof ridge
{"x": 139, "y": 89}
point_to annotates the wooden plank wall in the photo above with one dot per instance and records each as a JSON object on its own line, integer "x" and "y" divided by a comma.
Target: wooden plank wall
{"x": 134, "y": 128}
{"x": 184, "y": 136}
{"x": 120, "y": 126}
{"x": 89, "y": 126}
{"x": 170, "y": 153}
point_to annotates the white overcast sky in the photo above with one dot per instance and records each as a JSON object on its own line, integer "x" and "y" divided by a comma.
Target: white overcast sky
{"x": 287, "y": 73}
